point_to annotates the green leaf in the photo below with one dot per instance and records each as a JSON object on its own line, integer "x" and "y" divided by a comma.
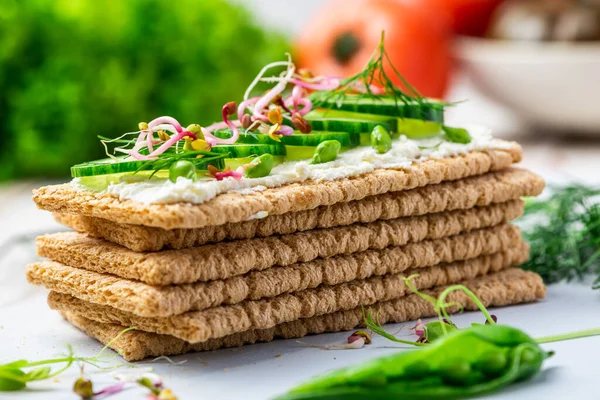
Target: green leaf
{"x": 457, "y": 135}
{"x": 433, "y": 330}
{"x": 38, "y": 374}
{"x": 9, "y": 385}
{"x": 11, "y": 379}
{"x": 16, "y": 364}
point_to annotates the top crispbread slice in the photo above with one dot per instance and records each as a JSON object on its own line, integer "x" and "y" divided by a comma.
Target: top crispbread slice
{"x": 236, "y": 207}
{"x": 491, "y": 188}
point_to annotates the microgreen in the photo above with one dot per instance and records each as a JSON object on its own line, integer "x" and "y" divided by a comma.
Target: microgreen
{"x": 165, "y": 160}
{"x": 563, "y": 231}
{"x": 444, "y": 325}
{"x": 15, "y": 375}
{"x": 375, "y": 326}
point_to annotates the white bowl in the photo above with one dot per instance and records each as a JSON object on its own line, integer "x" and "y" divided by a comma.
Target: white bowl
{"x": 549, "y": 85}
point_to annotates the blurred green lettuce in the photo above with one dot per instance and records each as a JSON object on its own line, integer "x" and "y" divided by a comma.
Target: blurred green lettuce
{"x": 74, "y": 69}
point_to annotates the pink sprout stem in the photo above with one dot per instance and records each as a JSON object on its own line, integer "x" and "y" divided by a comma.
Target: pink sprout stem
{"x": 174, "y": 139}
{"x": 243, "y": 105}
{"x": 110, "y": 390}
{"x": 155, "y": 123}
{"x": 297, "y": 93}
{"x": 222, "y": 125}
{"x": 149, "y": 140}
{"x": 166, "y": 120}
{"x": 212, "y": 140}
{"x": 264, "y": 101}
{"x": 141, "y": 137}
{"x": 304, "y": 102}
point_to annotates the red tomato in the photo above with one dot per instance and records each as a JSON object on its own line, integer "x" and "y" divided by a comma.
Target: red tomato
{"x": 343, "y": 34}
{"x": 468, "y": 17}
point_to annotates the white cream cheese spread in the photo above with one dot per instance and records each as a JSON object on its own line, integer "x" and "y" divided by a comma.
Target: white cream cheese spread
{"x": 353, "y": 162}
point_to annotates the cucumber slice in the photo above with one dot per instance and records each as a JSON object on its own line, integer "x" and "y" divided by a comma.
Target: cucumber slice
{"x": 297, "y": 153}
{"x": 354, "y": 126}
{"x": 248, "y": 150}
{"x": 340, "y": 114}
{"x": 315, "y": 137}
{"x": 297, "y": 139}
{"x": 418, "y": 129}
{"x": 234, "y": 163}
{"x": 428, "y": 109}
{"x": 108, "y": 166}
{"x": 101, "y": 182}
{"x": 254, "y": 138}
{"x": 365, "y": 139}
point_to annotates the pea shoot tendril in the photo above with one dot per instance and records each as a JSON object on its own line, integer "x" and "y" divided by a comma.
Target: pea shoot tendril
{"x": 13, "y": 375}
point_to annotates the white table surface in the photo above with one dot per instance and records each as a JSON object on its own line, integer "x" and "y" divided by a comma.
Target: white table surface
{"x": 28, "y": 329}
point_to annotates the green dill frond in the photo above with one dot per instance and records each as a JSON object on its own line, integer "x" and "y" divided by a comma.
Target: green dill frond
{"x": 563, "y": 232}
{"x": 374, "y": 73}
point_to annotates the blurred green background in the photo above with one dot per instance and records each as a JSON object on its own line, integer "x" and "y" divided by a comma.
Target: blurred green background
{"x": 74, "y": 69}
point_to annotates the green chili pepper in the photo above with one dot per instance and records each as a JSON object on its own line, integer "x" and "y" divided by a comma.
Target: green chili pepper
{"x": 461, "y": 364}
{"x": 492, "y": 363}
{"x": 326, "y": 151}
{"x": 261, "y": 166}
{"x": 183, "y": 168}
{"x": 381, "y": 140}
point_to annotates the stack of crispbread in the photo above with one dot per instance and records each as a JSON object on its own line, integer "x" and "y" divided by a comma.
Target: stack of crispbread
{"x": 289, "y": 261}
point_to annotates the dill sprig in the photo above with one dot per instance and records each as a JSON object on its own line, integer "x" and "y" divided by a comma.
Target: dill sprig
{"x": 374, "y": 73}
{"x": 563, "y": 231}
{"x": 373, "y": 324}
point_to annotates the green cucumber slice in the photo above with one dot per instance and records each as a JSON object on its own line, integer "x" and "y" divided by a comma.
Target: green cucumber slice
{"x": 234, "y": 163}
{"x": 340, "y": 114}
{"x": 297, "y": 153}
{"x": 315, "y": 137}
{"x": 108, "y": 166}
{"x": 249, "y": 149}
{"x": 254, "y": 138}
{"x": 353, "y": 126}
{"x": 296, "y": 139}
{"x": 427, "y": 109}
{"x": 418, "y": 129}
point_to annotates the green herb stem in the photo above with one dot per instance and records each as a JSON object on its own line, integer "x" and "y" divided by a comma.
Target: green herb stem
{"x": 569, "y": 336}
{"x": 469, "y": 293}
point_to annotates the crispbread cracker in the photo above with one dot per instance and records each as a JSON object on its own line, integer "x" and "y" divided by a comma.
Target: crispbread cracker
{"x": 237, "y": 207}
{"x": 493, "y": 187}
{"x": 80, "y": 251}
{"x": 152, "y": 301}
{"x": 226, "y": 260}
{"x": 377, "y": 234}
{"x": 507, "y": 287}
{"x": 199, "y": 326}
